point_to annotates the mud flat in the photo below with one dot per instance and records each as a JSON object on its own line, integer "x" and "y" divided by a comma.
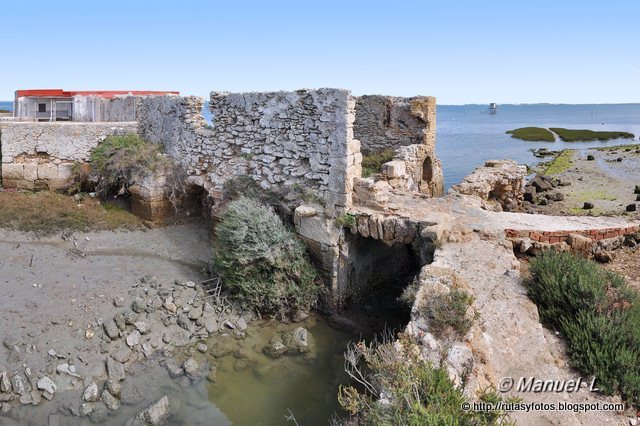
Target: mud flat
{"x": 604, "y": 177}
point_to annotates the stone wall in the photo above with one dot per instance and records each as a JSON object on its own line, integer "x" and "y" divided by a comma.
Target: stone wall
{"x": 283, "y": 140}
{"x": 40, "y": 155}
{"x": 391, "y": 122}
{"x": 499, "y": 182}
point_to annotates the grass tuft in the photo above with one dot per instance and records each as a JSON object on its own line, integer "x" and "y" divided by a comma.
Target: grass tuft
{"x": 372, "y": 162}
{"x": 49, "y": 212}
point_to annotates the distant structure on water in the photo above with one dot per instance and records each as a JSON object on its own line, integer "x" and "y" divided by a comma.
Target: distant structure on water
{"x": 493, "y": 108}
{"x": 83, "y": 106}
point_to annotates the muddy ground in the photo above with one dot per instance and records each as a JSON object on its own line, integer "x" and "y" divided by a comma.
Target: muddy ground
{"x": 608, "y": 181}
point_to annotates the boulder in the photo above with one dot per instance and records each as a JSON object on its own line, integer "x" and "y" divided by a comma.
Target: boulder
{"x": 155, "y": 415}
{"x": 110, "y": 401}
{"x": 91, "y": 393}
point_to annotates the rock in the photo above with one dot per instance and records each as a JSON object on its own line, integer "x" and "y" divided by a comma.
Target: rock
{"x": 11, "y": 341}
{"x": 190, "y": 367}
{"x": 153, "y": 304}
{"x": 604, "y": 256}
{"x": 154, "y": 415}
{"x": 133, "y": 338}
{"x": 110, "y": 401}
{"x": 543, "y": 202}
{"x": 115, "y": 370}
{"x": 138, "y": 306}
{"x": 130, "y": 317}
{"x": 588, "y": 205}
{"x": 120, "y": 321}
{"x": 195, "y": 313}
{"x": 183, "y": 321}
{"x": 190, "y": 284}
{"x": 173, "y": 368}
{"x": 631, "y": 207}
{"x": 111, "y": 329}
{"x": 85, "y": 409}
{"x": 46, "y": 384}
{"x": 619, "y": 159}
{"x": 142, "y": 327}
{"x": 122, "y": 355}
{"x": 5, "y": 383}
{"x": 241, "y": 324}
{"x": 530, "y": 194}
{"x": 19, "y": 384}
{"x": 541, "y": 183}
{"x": 99, "y": 413}
{"x": 210, "y": 324}
{"x": 118, "y": 301}
{"x": 590, "y": 157}
{"x": 201, "y": 347}
{"x": 300, "y": 339}
{"x": 113, "y": 387}
{"x": 171, "y": 307}
{"x": 51, "y": 352}
{"x": 5, "y": 407}
{"x": 555, "y": 196}
{"x": 460, "y": 357}
{"x": 636, "y": 190}
{"x": 6, "y": 397}
{"x": 276, "y": 348}
{"x": 213, "y": 373}
{"x": 67, "y": 369}
{"x": 91, "y": 393}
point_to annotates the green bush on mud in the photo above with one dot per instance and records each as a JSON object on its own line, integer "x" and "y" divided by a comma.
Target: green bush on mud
{"x": 263, "y": 264}
{"x": 597, "y": 313}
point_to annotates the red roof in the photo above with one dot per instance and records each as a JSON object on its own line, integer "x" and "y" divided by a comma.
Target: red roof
{"x": 59, "y": 93}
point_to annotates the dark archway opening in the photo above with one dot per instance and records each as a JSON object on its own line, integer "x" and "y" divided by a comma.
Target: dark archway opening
{"x": 427, "y": 170}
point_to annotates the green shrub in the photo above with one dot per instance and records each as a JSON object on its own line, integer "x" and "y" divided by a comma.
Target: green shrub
{"x": 398, "y": 387}
{"x": 533, "y": 134}
{"x": 263, "y": 264}
{"x": 372, "y": 162}
{"x": 119, "y": 161}
{"x": 347, "y": 219}
{"x": 449, "y": 312}
{"x": 596, "y": 312}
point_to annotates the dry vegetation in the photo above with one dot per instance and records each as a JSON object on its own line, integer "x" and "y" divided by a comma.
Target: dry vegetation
{"x": 49, "y": 212}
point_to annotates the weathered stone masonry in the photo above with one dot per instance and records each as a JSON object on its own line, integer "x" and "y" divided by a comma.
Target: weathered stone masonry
{"x": 280, "y": 139}
{"x": 40, "y": 155}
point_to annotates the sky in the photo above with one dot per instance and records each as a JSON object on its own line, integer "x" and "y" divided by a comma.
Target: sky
{"x": 516, "y": 51}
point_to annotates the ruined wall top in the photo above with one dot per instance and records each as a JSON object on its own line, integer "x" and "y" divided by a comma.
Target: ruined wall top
{"x": 301, "y": 139}
{"x": 390, "y": 122}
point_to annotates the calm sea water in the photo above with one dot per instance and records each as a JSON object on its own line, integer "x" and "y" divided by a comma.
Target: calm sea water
{"x": 6, "y": 105}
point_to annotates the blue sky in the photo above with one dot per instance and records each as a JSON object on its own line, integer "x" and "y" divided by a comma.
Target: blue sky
{"x": 459, "y": 51}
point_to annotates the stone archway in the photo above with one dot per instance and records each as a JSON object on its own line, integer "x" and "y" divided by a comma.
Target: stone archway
{"x": 427, "y": 170}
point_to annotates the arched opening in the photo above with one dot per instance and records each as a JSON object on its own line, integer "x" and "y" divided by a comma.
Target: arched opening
{"x": 427, "y": 170}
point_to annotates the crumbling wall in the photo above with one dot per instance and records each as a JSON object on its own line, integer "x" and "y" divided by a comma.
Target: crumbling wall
{"x": 302, "y": 139}
{"x": 40, "y": 155}
{"x": 499, "y": 182}
{"x": 407, "y": 126}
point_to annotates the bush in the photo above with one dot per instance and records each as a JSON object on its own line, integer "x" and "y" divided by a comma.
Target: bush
{"x": 372, "y": 162}
{"x": 120, "y": 161}
{"x": 262, "y": 263}
{"x": 398, "y": 387}
{"x": 597, "y": 313}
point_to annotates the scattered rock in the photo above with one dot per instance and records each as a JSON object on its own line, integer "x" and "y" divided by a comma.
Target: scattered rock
{"x": 142, "y": 327}
{"x": 138, "y": 306}
{"x": 276, "y": 348}
{"x": 122, "y": 355}
{"x": 590, "y": 157}
{"x": 555, "y": 196}
{"x": 183, "y": 321}
{"x": 110, "y": 401}
{"x": 111, "y": 329}
{"x": 133, "y": 338}
{"x": 5, "y": 383}
{"x": 173, "y": 368}
{"x": 91, "y": 393}
{"x": 631, "y": 207}
{"x": 213, "y": 373}
{"x": 241, "y": 324}
{"x": 46, "y": 384}
{"x": 195, "y": 313}
{"x": 300, "y": 339}
{"x": 155, "y": 415}
{"x": 130, "y": 317}
{"x": 201, "y": 347}
{"x": 588, "y": 205}
{"x": 67, "y": 369}
{"x": 113, "y": 387}
{"x": 118, "y": 301}
{"x": 191, "y": 367}
{"x": 210, "y": 324}
{"x": 115, "y": 370}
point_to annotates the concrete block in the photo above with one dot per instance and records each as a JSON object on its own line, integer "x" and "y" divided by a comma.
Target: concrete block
{"x": 47, "y": 171}
{"x": 30, "y": 171}
{"x": 394, "y": 169}
{"x": 12, "y": 171}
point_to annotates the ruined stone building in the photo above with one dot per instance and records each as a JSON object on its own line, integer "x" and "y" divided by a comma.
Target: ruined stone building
{"x": 310, "y": 142}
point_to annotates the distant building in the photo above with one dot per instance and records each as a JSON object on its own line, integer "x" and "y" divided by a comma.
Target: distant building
{"x": 84, "y": 106}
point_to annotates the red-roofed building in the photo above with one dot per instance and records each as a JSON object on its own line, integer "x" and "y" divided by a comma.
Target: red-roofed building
{"x": 90, "y": 105}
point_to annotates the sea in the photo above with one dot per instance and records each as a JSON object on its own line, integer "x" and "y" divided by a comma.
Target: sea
{"x": 469, "y": 135}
